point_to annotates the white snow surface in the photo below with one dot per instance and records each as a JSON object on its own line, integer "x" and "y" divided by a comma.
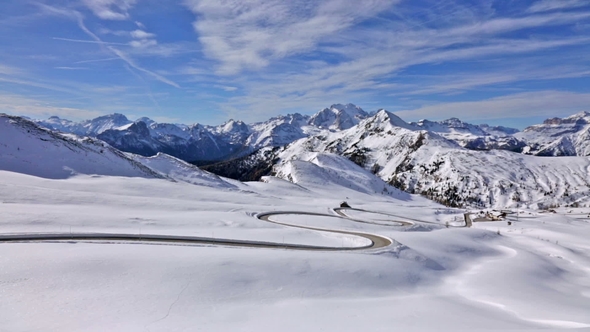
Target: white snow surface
{"x": 530, "y": 275}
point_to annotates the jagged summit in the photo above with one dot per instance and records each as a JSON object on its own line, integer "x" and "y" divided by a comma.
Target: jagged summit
{"x": 232, "y": 126}
{"x": 385, "y": 117}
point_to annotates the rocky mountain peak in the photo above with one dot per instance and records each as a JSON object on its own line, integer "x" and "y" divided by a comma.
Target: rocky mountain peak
{"x": 579, "y": 118}
{"x": 338, "y": 117}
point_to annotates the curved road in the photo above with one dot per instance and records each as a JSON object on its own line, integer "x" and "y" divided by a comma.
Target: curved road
{"x": 376, "y": 241}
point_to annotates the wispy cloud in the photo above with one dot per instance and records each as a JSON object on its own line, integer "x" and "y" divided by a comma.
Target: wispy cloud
{"x": 79, "y": 18}
{"x": 366, "y": 58}
{"x": 141, "y": 34}
{"x": 143, "y": 43}
{"x": 548, "y": 5}
{"x": 253, "y": 59}
{"x": 72, "y": 68}
{"x": 97, "y": 60}
{"x": 7, "y": 70}
{"x": 43, "y": 85}
{"x": 110, "y": 9}
{"x": 450, "y": 84}
{"x": 226, "y": 88}
{"x": 248, "y": 34}
{"x": 362, "y": 77}
{"x": 88, "y": 41}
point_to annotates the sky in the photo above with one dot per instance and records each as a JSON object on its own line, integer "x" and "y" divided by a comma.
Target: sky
{"x": 510, "y": 62}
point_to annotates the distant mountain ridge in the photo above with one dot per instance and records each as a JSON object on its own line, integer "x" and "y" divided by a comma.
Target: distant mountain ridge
{"x": 207, "y": 143}
{"x": 233, "y": 139}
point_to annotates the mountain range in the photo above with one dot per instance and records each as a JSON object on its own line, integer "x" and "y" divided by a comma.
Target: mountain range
{"x": 203, "y": 144}
{"x": 452, "y": 162}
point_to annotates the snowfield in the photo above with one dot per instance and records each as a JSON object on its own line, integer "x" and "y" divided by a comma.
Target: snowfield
{"x": 529, "y": 275}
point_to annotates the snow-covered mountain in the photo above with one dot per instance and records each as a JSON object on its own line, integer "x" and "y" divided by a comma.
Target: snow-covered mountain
{"x": 425, "y": 162}
{"x": 559, "y": 137}
{"x": 277, "y": 131}
{"x": 208, "y": 143}
{"x": 474, "y": 137}
{"x": 234, "y": 139}
{"x": 190, "y": 143}
{"x": 338, "y": 117}
{"x": 88, "y": 127}
{"x": 27, "y": 148}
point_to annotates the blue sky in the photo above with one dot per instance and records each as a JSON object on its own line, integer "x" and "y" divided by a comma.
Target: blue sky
{"x": 506, "y": 62}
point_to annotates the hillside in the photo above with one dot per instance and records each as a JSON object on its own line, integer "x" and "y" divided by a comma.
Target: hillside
{"x": 27, "y": 148}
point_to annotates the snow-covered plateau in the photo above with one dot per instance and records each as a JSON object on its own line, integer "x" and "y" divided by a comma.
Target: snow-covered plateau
{"x": 394, "y": 261}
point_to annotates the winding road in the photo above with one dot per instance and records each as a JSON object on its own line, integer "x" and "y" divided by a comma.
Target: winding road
{"x": 376, "y": 241}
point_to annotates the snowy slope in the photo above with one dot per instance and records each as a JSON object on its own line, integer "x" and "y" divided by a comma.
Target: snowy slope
{"x": 180, "y": 170}
{"x": 27, "y": 148}
{"x": 532, "y": 274}
{"x": 324, "y": 169}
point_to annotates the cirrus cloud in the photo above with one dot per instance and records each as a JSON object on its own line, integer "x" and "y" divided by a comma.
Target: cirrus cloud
{"x": 249, "y": 34}
{"x": 110, "y": 9}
